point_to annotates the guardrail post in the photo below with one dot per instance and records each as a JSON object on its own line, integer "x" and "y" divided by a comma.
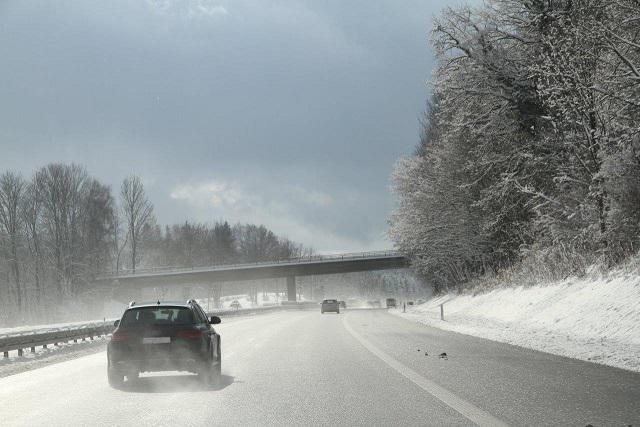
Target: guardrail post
{"x": 19, "y": 352}
{"x": 442, "y": 311}
{"x": 5, "y": 354}
{"x": 33, "y": 349}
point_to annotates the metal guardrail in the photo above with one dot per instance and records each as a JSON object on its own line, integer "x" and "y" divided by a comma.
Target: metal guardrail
{"x": 289, "y": 261}
{"x": 64, "y": 335}
{"x": 83, "y": 332}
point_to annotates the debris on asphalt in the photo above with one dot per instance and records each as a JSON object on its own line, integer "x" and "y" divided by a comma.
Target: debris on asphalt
{"x": 443, "y": 355}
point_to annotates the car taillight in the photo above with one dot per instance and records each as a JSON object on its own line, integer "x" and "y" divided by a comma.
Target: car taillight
{"x": 119, "y": 336}
{"x": 189, "y": 334}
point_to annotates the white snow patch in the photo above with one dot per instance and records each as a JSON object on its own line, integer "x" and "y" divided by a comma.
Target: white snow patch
{"x": 589, "y": 319}
{"x": 31, "y": 329}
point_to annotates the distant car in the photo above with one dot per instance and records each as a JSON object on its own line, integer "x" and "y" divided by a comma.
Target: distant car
{"x": 374, "y": 303}
{"x": 391, "y": 303}
{"x": 164, "y": 337}
{"x": 342, "y": 304}
{"x": 235, "y": 304}
{"x": 330, "y": 305}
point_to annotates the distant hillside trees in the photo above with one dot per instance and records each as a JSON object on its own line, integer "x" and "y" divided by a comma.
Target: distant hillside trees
{"x": 193, "y": 244}
{"x": 62, "y": 227}
{"x": 531, "y": 141}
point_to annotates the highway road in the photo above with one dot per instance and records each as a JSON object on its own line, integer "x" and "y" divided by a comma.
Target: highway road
{"x": 361, "y": 367}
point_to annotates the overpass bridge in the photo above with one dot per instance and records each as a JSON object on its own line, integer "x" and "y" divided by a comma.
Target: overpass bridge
{"x": 130, "y": 284}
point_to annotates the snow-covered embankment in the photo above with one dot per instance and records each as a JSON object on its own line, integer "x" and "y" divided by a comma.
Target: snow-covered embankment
{"x": 589, "y": 319}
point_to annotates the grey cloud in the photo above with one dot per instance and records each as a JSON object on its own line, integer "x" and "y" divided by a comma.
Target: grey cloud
{"x": 272, "y": 95}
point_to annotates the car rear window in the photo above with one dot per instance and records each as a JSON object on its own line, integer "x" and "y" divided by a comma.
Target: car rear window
{"x": 157, "y": 316}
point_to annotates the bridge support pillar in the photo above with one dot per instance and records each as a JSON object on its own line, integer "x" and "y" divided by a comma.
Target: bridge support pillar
{"x": 216, "y": 293}
{"x": 291, "y": 288}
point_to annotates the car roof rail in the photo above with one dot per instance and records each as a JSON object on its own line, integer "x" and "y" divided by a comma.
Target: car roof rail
{"x": 132, "y": 303}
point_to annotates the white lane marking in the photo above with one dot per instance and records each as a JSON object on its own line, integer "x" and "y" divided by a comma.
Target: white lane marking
{"x": 464, "y": 408}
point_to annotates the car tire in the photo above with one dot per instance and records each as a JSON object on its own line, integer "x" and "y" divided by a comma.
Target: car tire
{"x": 116, "y": 378}
{"x": 217, "y": 370}
{"x": 211, "y": 374}
{"x": 205, "y": 374}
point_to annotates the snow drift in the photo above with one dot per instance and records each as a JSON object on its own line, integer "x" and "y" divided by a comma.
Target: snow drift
{"x": 590, "y": 319}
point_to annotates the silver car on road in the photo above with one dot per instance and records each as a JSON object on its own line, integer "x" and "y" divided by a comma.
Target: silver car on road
{"x": 330, "y": 305}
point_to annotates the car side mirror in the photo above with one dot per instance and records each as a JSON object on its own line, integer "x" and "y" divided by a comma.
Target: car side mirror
{"x": 116, "y": 323}
{"x": 215, "y": 320}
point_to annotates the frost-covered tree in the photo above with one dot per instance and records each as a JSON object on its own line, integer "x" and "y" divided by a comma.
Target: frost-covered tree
{"x": 588, "y": 78}
{"x": 531, "y": 140}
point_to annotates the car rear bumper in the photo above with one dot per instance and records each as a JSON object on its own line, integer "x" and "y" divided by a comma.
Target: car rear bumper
{"x": 180, "y": 359}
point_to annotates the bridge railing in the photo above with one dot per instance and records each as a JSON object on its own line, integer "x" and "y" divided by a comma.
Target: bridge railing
{"x": 297, "y": 260}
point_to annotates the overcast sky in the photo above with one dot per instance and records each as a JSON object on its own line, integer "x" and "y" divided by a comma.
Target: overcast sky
{"x": 284, "y": 113}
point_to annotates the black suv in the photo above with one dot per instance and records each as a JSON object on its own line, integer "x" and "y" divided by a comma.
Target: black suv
{"x": 164, "y": 337}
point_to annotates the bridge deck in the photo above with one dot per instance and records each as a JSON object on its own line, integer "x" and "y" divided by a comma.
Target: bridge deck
{"x": 129, "y": 285}
{"x": 283, "y": 268}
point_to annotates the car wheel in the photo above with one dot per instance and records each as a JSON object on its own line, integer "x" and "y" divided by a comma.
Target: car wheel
{"x": 116, "y": 378}
{"x": 206, "y": 374}
{"x": 211, "y": 371}
{"x": 218, "y": 368}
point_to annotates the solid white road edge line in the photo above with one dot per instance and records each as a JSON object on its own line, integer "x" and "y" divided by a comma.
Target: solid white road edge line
{"x": 464, "y": 408}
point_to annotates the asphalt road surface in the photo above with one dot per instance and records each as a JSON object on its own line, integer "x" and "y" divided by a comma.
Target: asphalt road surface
{"x": 361, "y": 367}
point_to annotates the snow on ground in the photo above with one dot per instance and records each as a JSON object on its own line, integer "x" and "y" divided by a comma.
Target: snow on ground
{"x": 590, "y": 319}
{"x": 28, "y": 329}
{"x": 52, "y": 354}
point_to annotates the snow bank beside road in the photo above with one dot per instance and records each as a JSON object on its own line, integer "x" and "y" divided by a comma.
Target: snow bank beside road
{"x": 595, "y": 320}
